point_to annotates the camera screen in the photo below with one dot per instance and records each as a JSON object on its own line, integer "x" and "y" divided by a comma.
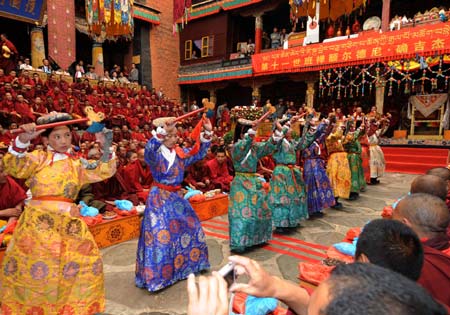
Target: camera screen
{"x": 230, "y": 277}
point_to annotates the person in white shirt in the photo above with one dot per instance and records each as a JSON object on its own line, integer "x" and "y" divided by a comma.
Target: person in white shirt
{"x": 26, "y": 65}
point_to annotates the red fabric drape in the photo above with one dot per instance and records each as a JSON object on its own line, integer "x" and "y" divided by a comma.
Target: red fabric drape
{"x": 179, "y": 7}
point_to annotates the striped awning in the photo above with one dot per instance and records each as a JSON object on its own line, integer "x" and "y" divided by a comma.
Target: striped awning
{"x": 145, "y": 14}
{"x": 197, "y": 12}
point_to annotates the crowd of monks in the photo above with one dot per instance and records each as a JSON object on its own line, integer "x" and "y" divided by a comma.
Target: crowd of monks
{"x": 129, "y": 112}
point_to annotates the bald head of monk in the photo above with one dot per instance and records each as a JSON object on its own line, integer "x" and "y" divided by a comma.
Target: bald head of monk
{"x": 429, "y": 184}
{"x": 441, "y": 172}
{"x": 427, "y": 215}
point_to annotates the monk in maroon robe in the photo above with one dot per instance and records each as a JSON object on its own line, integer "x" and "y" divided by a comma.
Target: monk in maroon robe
{"x": 88, "y": 137}
{"x": 22, "y": 108}
{"x": 8, "y": 55}
{"x": 138, "y": 177}
{"x": 435, "y": 274}
{"x": 12, "y": 196}
{"x": 428, "y": 216}
{"x": 218, "y": 171}
{"x": 7, "y": 104}
{"x": 138, "y": 135}
{"x": 5, "y": 136}
{"x": 110, "y": 189}
{"x": 195, "y": 177}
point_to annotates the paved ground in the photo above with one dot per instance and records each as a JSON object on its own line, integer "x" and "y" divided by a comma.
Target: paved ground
{"x": 281, "y": 257}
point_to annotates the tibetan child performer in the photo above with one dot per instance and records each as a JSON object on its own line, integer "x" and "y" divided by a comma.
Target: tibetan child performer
{"x": 353, "y": 148}
{"x": 365, "y": 150}
{"x": 52, "y": 264}
{"x": 338, "y": 169}
{"x": 248, "y": 213}
{"x": 287, "y": 194}
{"x": 377, "y": 161}
{"x": 172, "y": 242}
{"x": 318, "y": 186}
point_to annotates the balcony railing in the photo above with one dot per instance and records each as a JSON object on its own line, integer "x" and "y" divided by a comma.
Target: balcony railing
{"x": 214, "y": 65}
{"x": 237, "y": 62}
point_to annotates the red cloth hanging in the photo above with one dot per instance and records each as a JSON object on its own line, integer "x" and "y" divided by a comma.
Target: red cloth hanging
{"x": 179, "y": 7}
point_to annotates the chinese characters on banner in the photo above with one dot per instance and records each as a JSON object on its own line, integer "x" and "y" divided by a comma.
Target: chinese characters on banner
{"x": 23, "y": 10}
{"x": 369, "y": 47}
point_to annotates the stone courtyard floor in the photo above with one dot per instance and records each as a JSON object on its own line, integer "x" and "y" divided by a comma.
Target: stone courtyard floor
{"x": 281, "y": 257}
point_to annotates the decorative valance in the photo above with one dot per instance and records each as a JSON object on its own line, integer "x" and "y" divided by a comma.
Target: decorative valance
{"x": 189, "y": 13}
{"x": 428, "y": 104}
{"x": 114, "y": 18}
{"x": 146, "y": 14}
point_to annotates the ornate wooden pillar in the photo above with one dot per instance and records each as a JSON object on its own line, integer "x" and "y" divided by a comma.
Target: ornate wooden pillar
{"x": 258, "y": 33}
{"x": 379, "y": 95}
{"x": 256, "y": 93}
{"x": 37, "y": 46}
{"x": 212, "y": 96}
{"x": 97, "y": 58}
{"x": 310, "y": 91}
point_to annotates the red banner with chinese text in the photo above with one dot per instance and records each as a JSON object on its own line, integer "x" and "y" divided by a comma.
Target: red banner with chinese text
{"x": 368, "y": 47}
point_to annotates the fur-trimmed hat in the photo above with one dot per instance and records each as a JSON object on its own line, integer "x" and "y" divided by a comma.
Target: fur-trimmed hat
{"x": 53, "y": 117}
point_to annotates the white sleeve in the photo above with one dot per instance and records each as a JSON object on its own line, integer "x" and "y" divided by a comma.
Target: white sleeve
{"x": 159, "y": 133}
{"x": 206, "y": 136}
{"x": 19, "y": 144}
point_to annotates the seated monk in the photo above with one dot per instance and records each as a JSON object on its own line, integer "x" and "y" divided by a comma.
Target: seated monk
{"x": 110, "y": 189}
{"x": 444, "y": 173}
{"x": 435, "y": 185}
{"x": 12, "y": 196}
{"x": 195, "y": 177}
{"x": 428, "y": 216}
{"x": 427, "y": 184}
{"x": 85, "y": 194}
{"x": 218, "y": 170}
{"x": 392, "y": 245}
{"x": 265, "y": 167}
{"x": 138, "y": 135}
{"x": 5, "y": 136}
{"x": 138, "y": 177}
{"x": 88, "y": 137}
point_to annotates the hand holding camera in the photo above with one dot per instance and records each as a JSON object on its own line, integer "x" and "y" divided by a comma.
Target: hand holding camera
{"x": 210, "y": 297}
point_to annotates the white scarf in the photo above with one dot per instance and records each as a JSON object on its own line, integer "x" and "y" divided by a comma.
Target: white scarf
{"x": 169, "y": 155}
